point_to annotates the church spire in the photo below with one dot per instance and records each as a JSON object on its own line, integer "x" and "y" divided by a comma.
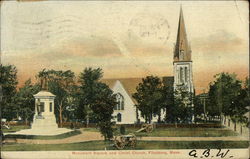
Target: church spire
{"x": 182, "y": 50}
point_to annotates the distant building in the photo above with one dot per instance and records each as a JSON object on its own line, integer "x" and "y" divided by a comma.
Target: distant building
{"x": 125, "y": 112}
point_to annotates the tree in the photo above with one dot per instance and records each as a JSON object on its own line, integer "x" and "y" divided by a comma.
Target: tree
{"x": 212, "y": 107}
{"x": 97, "y": 100}
{"x": 240, "y": 104}
{"x": 149, "y": 97}
{"x": 8, "y": 82}
{"x": 61, "y": 83}
{"x": 223, "y": 95}
{"x": 168, "y": 102}
{"x": 25, "y": 100}
{"x": 183, "y": 106}
{"x": 200, "y": 103}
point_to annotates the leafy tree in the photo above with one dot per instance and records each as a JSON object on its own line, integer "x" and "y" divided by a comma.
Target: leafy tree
{"x": 8, "y": 82}
{"x": 168, "y": 102}
{"x": 97, "y": 100}
{"x": 212, "y": 107}
{"x": 199, "y": 102}
{"x": 149, "y": 97}
{"x": 183, "y": 104}
{"x": 225, "y": 95}
{"x": 240, "y": 104}
{"x": 25, "y": 100}
{"x": 70, "y": 112}
{"x": 61, "y": 83}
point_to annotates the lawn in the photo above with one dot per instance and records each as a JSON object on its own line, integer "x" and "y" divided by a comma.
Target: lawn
{"x": 61, "y": 136}
{"x": 14, "y": 128}
{"x": 141, "y": 145}
{"x": 184, "y": 132}
{"x": 91, "y": 129}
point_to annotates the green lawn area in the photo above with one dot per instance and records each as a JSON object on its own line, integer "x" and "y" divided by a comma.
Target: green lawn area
{"x": 91, "y": 129}
{"x": 184, "y": 132}
{"x": 14, "y": 128}
{"x": 61, "y": 136}
{"x": 141, "y": 145}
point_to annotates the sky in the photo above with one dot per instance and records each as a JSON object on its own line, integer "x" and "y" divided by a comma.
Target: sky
{"x": 126, "y": 39}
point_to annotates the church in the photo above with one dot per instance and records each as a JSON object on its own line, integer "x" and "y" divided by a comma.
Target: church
{"x": 125, "y": 111}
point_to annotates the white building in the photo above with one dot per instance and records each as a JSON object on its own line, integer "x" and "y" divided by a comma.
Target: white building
{"x": 125, "y": 111}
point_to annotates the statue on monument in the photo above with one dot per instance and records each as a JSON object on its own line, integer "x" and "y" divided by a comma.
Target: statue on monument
{"x": 39, "y": 110}
{"x": 44, "y": 83}
{"x": 40, "y": 105}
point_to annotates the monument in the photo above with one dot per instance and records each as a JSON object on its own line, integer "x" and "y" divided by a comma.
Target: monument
{"x": 44, "y": 121}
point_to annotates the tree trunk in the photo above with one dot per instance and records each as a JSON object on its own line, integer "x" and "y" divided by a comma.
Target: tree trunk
{"x": 150, "y": 119}
{"x": 159, "y": 117}
{"x": 235, "y": 126}
{"x": 87, "y": 120}
{"x": 26, "y": 121}
{"x": 60, "y": 114}
{"x": 175, "y": 123}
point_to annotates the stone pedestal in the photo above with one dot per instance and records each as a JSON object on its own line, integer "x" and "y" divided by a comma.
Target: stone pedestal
{"x": 44, "y": 121}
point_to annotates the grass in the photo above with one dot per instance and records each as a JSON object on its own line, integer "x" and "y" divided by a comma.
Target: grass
{"x": 91, "y": 129}
{"x": 141, "y": 145}
{"x": 15, "y": 128}
{"x": 61, "y": 136}
{"x": 184, "y": 132}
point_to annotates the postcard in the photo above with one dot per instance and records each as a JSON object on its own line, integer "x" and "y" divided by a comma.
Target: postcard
{"x": 124, "y": 79}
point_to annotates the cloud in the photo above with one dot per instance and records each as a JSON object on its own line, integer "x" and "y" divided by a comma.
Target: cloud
{"x": 220, "y": 42}
{"x": 141, "y": 47}
{"x": 90, "y": 46}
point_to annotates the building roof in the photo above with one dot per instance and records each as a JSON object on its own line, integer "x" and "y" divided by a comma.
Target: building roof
{"x": 44, "y": 94}
{"x": 182, "y": 49}
{"x": 130, "y": 84}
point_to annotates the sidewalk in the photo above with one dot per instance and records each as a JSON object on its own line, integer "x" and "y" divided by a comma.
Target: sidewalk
{"x": 94, "y": 136}
{"x": 83, "y": 137}
{"x": 228, "y": 138}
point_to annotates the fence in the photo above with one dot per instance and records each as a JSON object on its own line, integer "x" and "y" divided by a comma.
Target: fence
{"x": 238, "y": 127}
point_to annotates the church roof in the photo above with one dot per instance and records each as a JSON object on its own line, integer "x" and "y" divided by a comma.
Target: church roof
{"x": 182, "y": 49}
{"x": 44, "y": 94}
{"x": 130, "y": 84}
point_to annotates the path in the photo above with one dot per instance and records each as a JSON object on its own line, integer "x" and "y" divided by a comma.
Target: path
{"x": 93, "y": 136}
{"x": 228, "y": 138}
{"x": 83, "y": 137}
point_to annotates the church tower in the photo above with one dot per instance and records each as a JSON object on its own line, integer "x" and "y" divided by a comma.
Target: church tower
{"x": 183, "y": 73}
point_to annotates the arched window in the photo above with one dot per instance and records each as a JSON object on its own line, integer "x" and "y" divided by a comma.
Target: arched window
{"x": 186, "y": 74}
{"x": 119, "y": 117}
{"x": 181, "y": 75}
{"x": 120, "y": 102}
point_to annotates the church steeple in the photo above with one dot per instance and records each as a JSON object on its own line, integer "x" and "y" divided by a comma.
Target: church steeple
{"x": 182, "y": 50}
